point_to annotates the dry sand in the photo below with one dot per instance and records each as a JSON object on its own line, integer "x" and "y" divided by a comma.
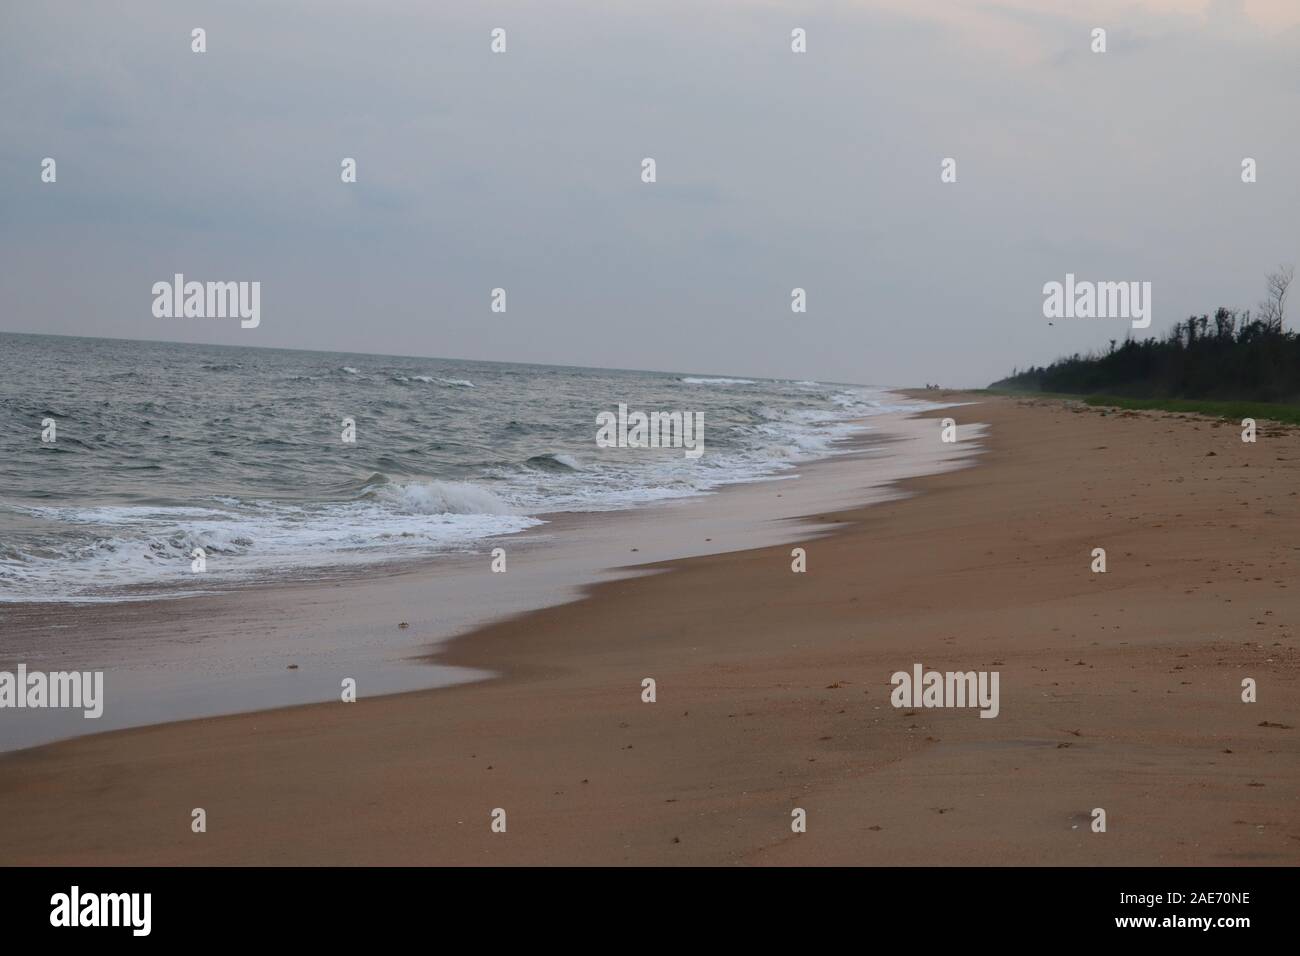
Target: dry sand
{"x": 1119, "y": 690}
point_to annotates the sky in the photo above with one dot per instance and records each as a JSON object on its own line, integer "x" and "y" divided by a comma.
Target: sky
{"x": 522, "y": 170}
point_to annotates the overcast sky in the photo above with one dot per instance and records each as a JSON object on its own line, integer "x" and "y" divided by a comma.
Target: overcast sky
{"x": 523, "y": 171}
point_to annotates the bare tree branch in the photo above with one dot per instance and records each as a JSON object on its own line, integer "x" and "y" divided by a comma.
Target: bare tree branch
{"x": 1273, "y": 309}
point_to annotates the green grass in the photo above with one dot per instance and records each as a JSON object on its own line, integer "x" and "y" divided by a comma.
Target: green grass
{"x": 1233, "y": 410}
{"x": 1272, "y": 411}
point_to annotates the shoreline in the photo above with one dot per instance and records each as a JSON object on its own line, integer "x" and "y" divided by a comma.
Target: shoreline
{"x": 1119, "y": 690}
{"x": 289, "y": 643}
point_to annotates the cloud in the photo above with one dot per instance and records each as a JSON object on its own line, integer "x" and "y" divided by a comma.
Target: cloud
{"x": 523, "y": 171}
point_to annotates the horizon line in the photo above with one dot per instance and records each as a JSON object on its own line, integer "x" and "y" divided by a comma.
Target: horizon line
{"x": 437, "y": 358}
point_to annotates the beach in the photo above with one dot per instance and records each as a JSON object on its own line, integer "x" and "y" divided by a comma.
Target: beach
{"x": 1119, "y": 690}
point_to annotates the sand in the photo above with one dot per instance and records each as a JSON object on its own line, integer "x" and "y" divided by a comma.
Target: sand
{"x": 1119, "y": 691}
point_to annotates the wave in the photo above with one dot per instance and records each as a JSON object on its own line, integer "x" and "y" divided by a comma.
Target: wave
{"x": 151, "y": 547}
{"x": 442, "y": 498}
{"x": 429, "y": 380}
{"x": 426, "y": 478}
{"x": 555, "y": 461}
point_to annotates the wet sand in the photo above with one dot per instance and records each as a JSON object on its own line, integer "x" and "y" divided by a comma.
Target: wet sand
{"x": 1119, "y": 690}
{"x": 288, "y": 642}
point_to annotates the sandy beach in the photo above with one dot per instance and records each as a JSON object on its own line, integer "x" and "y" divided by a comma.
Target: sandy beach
{"x": 1119, "y": 691}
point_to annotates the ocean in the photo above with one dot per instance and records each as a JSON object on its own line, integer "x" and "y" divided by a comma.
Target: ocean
{"x": 161, "y": 448}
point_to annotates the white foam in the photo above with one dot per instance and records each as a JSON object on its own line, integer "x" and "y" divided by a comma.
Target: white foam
{"x": 443, "y": 497}
{"x": 151, "y": 545}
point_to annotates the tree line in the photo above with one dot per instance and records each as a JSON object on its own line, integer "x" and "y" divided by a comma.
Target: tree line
{"x": 1232, "y": 355}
